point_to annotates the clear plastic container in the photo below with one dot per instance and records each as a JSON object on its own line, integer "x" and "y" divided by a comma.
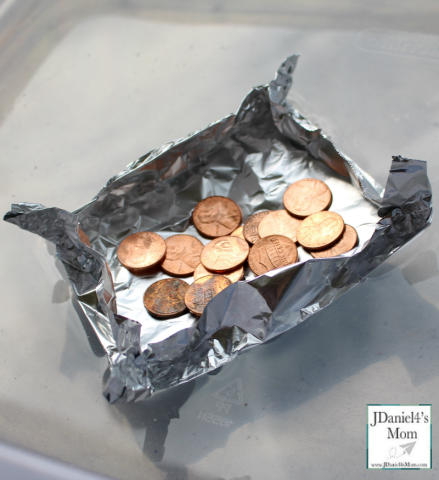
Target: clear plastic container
{"x": 88, "y": 87}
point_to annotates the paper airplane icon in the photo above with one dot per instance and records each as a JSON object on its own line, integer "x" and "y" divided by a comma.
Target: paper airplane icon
{"x": 408, "y": 447}
{"x": 400, "y": 450}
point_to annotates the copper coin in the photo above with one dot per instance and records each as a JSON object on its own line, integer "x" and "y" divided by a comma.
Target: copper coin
{"x": 83, "y": 237}
{"x": 182, "y": 254}
{"x": 272, "y": 252}
{"x": 216, "y": 216}
{"x": 233, "y": 275}
{"x": 224, "y": 253}
{"x": 201, "y": 292}
{"x": 238, "y": 232}
{"x": 141, "y": 250}
{"x": 279, "y": 222}
{"x": 251, "y": 233}
{"x": 165, "y": 298}
{"x": 347, "y": 242}
{"x": 320, "y": 230}
{"x": 308, "y": 196}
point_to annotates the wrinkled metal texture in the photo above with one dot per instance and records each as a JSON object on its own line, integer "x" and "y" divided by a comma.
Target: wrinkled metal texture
{"x": 250, "y": 157}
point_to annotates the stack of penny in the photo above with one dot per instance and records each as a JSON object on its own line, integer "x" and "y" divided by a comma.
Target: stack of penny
{"x": 321, "y": 232}
{"x": 214, "y": 266}
{"x": 267, "y": 240}
{"x": 274, "y": 236}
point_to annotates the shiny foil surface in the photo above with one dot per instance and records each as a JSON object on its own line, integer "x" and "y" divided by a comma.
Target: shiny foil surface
{"x": 250, "y": 157}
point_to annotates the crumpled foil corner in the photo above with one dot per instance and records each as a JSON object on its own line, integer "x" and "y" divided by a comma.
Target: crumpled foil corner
{"x": 250, "y": 157}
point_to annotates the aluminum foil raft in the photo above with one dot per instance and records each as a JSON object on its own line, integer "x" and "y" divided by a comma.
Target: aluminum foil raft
{"x": 249, "y": 157}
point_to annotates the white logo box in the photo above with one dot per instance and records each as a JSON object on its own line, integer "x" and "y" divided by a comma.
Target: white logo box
{"x": 399, "y": 437}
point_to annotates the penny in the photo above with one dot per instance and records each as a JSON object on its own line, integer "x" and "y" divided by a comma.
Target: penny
{"x": 182, "y": 254}
{"x": 233, "y": 276}
{"x": 320, "y": 230}
{"x": 306, "y": 197}
{"x": 83, "y": 237}
{"x": 216, "y": 216}
{"x": 141, "y": 250}
{"x": 165, "y": 298}
{"x": 279, "y": 222}
{"x": 347, "y": 242}
{"x": 238, "y": 232}
{"x": 224, "y": 253}
{"x": 272, "y": 252}
{"x": 201, "y": 292}
{"x": 251, "y": 233}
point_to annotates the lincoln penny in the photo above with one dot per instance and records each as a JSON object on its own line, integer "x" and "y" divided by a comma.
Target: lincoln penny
{"x": 251, "y": 233}
{"x": 306, "y": 197}
{"x": 238, "y": 232}
{"x": 272, "y": 252}
{"x": 165, "y": 298}
{"x": 279, "y": 222}
{"x": 347, "y": 242}
{"x": 141, "y": 250}
{"x": 233, "y": 275}
{"x": 83, "y": 237}
{"x": 201, "y": 292}
{"x": 224, "y": 253}
{"x": 216, "y": 216}
{"x": 182, "y": 254}
{"x": 320, "y": 230}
